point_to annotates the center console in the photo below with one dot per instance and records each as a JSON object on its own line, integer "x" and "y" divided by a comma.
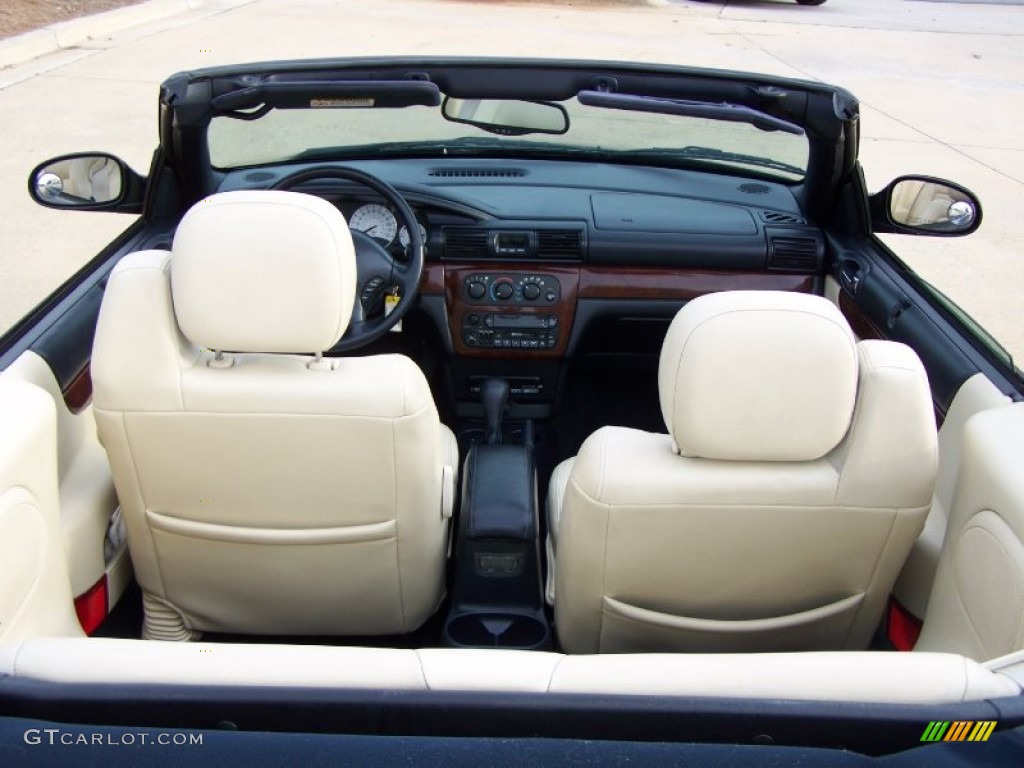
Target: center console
{"x": 496, "y": 594}
{"x": 510, "y": 312}
{"x": 512, "y": 321}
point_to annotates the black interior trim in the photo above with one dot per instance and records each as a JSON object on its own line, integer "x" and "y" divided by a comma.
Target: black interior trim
{"x": 887, "y": 297}
{"x": 873, "y": 729}
{"x": 67, "y": 346}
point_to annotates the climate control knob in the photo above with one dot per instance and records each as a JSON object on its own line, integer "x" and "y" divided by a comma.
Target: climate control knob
{"x": 476, "y": 290}
{"x": 531, "y": 291}
{"x": 503, "y": 290}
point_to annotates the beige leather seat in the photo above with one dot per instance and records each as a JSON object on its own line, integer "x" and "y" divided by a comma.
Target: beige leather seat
{"x": 264, "y": 491}
{"x": 977, "y": 602}
{"x": 776, "y": 513}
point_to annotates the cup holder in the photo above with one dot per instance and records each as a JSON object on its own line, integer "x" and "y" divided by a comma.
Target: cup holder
{"x": 496, "y": 630}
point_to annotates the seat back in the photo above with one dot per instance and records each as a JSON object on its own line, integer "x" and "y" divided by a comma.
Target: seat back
{"x": 265, "y": 492}
{"x": 776, "y": 513}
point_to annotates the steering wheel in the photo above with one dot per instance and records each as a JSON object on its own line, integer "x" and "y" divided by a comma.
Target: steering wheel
{"x": 376, "y": 268}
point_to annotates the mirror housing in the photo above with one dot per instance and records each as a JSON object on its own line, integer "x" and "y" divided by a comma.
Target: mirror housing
{"x": 922, "y": 205}
{"x": 87, "y": 181}
{"x": 507, "y": 117}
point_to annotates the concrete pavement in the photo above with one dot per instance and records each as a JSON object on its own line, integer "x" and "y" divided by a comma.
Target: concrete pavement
{"x": 941, "y": 85}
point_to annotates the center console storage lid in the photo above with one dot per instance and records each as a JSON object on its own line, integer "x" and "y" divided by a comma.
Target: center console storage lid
{"x": 499, "y": 493}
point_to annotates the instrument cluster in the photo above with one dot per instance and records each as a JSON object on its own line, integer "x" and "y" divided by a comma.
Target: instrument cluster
{"x": 379, "y": 222}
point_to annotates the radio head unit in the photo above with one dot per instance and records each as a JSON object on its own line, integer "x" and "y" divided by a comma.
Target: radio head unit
{"x": 504, "y": 331}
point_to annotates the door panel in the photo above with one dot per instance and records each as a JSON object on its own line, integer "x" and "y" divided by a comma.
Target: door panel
{"x": 883, "y": 301}
{"x": 35, "y": 595}
{"x": 977, "y": 605}
{"x": 66, "y": 346}
{"x": 915, "y": 582}
{"x": 87, "y": 498}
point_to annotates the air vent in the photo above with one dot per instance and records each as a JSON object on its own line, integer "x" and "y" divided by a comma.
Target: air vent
{"x": 477, "y": 173}
{"x": 465, "y": 243}
{"x": 794, "y": 254}
{"x": 559, "y": 244}
{"x": 260, "y": 176}
{"x": 755, "y": 189}
{"x": 780, "y": 217}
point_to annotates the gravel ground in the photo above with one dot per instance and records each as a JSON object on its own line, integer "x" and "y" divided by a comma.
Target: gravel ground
{"x": 17, "y": 16}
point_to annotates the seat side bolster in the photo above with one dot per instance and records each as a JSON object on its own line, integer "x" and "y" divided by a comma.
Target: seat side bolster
{"x": 556, "y": 498}
{"x": 138, "y": 354}
{"x": 890, "y": 456}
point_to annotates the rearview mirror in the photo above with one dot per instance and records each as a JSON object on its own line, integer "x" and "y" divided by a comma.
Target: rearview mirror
{"x": 921, "y": 205}
{"x": 507, "y": 117}
{"x": 87, "y": 181}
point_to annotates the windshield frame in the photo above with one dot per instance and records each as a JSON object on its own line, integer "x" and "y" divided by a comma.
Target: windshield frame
{"x": 268, "y": 136}
{"x": 829, "y": 115}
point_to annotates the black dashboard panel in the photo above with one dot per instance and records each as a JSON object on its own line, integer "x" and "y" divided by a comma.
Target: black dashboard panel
{"x": 625, "y": 215}
{"x": 641, "y": 213}
{"x": 530, "y": 263}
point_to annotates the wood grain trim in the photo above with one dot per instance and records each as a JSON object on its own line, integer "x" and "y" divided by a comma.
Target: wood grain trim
{"x": 859, "y": 322}
{"x": 657, "y": 283}
{"x": 432, "y": 281}
{"x": 565, "y": 309}
{"x": 78, "y": 392}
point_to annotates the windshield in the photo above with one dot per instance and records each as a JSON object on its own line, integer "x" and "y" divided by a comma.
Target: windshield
{"x": 592, "y": 132}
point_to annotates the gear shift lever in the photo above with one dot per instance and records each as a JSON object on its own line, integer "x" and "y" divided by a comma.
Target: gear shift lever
{"x": 494, "y": 393}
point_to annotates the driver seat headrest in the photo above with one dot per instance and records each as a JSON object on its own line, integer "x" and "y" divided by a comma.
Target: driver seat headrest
{"x": 263, "y": 271}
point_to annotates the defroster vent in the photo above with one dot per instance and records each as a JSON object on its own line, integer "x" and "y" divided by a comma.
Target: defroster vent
{"x": 476, "y": 173}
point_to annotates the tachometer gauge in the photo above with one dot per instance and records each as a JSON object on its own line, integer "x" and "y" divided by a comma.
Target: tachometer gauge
{"x": 376, "y": 221}
{"x": 403, "y": 235}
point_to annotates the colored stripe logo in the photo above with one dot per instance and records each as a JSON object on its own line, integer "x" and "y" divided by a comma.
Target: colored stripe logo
{"x": 959, "y": 730}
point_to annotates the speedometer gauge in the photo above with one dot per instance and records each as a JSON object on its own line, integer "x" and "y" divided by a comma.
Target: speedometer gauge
{"x": 404, "y": 239}
{"x": 376, "y": 221}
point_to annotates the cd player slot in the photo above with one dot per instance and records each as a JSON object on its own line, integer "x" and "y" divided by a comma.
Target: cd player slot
{"x": 505, "y": 331}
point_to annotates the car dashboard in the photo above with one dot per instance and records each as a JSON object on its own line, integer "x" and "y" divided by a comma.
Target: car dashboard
{"x": 531, "y": 263}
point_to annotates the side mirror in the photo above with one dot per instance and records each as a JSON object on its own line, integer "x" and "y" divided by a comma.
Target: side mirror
{"x": 921, "y": 205}
{"x": 91, "y": 181}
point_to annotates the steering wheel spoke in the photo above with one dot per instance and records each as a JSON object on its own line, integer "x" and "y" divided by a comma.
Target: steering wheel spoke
{"x": 376, "y": 269}
{"x": 371, "y": 257}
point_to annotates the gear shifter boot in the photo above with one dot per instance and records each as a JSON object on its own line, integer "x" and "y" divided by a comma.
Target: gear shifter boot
{"x": 494, "y": 394}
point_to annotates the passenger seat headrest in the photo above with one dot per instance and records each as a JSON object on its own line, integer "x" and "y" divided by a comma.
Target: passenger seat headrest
{"x": 758, "y": 376}
{"x": 259, "y": 271}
